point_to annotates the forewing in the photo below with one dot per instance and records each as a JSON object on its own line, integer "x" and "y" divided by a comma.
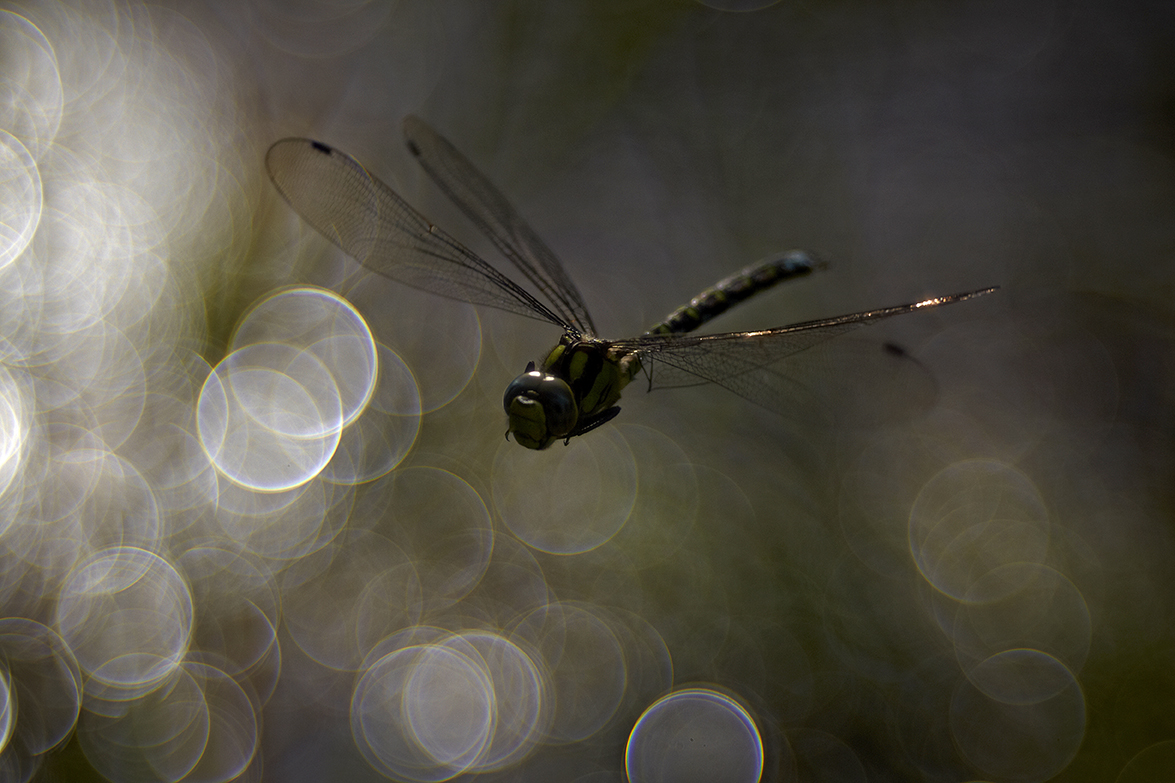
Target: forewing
{"x": 485, "y": 205}
{"x": 332, "y": 192}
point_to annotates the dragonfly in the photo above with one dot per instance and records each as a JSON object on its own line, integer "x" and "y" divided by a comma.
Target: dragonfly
{"x": 576, "y": 387}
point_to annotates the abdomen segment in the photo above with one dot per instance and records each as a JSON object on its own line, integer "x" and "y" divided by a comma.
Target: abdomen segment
{"x": 738, "y": 287}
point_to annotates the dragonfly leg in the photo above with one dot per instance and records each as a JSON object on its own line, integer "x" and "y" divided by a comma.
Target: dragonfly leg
{"x": 592, "y": 422}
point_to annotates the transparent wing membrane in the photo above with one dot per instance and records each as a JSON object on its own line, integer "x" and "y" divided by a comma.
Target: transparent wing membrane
{"x": 372, "y": 224}
{"x": 491, "y": 212}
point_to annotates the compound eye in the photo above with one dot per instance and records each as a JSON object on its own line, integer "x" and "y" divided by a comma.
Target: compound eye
{"x": 541, "y": 408}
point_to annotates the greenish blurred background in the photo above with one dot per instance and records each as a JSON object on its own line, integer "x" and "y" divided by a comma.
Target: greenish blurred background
{"x": 958, "y": 572}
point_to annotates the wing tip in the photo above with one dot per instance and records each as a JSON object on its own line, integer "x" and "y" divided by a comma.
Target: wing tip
{"x": 953, "y": 298}
{"x": 282, "y": 146}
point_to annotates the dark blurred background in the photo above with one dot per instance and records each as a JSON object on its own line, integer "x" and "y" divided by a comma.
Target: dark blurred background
{"x": 971, "y": 581}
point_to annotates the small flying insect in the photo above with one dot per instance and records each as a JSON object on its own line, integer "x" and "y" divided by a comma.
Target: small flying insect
{"x": 576, "y": 387}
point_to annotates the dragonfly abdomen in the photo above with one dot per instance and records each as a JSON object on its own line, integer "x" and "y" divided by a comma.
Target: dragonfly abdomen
{"x": 737, "y": 288}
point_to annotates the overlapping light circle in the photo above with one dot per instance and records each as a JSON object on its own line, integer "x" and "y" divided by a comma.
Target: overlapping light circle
{"x": 325, "y": 325}
{"x": 303, "y": 393}
{"x": 126, "y": 614}
{"x": 270, "y": 416}
{"x": 695, "y": 735}
{"x": 20, "y": 198}
{"x": 974, "y": 516}
{"x": 566, "y": 500}
{"x": 469, "y": 702}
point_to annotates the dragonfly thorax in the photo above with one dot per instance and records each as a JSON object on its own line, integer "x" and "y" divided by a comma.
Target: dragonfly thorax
{"x": 575, "y": 391}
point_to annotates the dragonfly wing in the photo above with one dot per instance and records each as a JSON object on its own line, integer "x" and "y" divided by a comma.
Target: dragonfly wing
{"x": 849, "y": 380}
{"x": 727, "y": 357}
{"x": 742, "y": 361}
{"x": 332, "y": 192}
{"x": 491, "y": 212}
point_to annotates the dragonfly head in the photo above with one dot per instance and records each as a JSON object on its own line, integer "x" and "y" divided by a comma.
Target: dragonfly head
{"x": 540, "y": 407}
